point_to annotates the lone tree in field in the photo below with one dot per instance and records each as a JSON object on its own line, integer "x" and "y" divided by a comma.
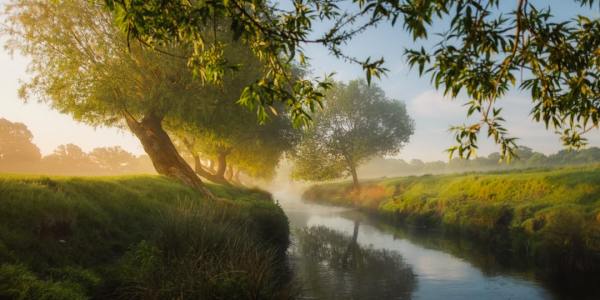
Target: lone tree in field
{"x": 17, "y": 151}
{"x": 358, "y": 122}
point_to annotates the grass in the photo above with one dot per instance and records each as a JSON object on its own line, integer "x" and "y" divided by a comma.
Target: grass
{"x": 138, "y": 237}
{"x": 551, "y": 216}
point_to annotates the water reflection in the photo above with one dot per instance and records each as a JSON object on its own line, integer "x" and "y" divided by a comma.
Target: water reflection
{"x": 442, "y": 268}
{"x": 332, "y": 265}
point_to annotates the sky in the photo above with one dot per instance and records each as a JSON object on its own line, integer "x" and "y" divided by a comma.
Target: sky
{"x": 433, "y": 113}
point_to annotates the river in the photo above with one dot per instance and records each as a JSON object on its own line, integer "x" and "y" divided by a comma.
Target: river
{"x": 339, "y": 253}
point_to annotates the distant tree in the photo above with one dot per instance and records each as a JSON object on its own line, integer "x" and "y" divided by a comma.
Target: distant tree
{"x": 17, "y": 151}
{"x": 113, "y": 159}
{"x": 524, "y": 153}
{"x": 495, "y": 156}
{"x": 458, "y": 164}
{"x": 417, "y": 164}
{"x": 435, "y": 166}
{"x": 589, "y": 155}
{"x": 358, "y": 122}
{"x": 69, "y": 159}
{"x": 537, "y": 159}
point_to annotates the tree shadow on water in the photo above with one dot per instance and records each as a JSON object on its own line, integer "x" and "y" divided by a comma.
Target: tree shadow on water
{"x": 331, "y": 265}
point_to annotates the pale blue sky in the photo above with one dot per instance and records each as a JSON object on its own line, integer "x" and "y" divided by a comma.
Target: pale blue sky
{"x": 432, "y": 113}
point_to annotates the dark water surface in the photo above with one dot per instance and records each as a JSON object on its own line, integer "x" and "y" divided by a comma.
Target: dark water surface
{"x": 338, "y": 253}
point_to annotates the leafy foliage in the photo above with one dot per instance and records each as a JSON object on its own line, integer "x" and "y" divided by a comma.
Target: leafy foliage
{"x": 480, "y": 53}
{"x": 358, "y": 122}
{"x": 16, "y": 146}
{"x": 483, "y": 50}
{"x": 235, "y": 134}
{"x": 84, "y": 66}
{"x": 275, "y": 35}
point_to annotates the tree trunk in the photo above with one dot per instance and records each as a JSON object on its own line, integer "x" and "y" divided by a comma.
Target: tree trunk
{"x": 222, "y": 164}
{"x": 197, "y": 163}
{"x": 162, "y": 152}
{"x": 199, "y": 168}
{"x": 211, "y": 165}
{"x": 354, "y": 177}
{"x": 229, "y": 173}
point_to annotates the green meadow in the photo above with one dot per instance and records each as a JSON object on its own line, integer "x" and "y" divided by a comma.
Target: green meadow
{"x": 138, "y": 237}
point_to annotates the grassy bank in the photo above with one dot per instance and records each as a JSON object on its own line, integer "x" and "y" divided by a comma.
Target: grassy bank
{"x": 137, "y": 237}
{"x": 552, "y": 216}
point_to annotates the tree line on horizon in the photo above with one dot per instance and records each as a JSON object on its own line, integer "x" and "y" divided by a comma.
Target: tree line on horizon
{"x": 18, "y": 154}
{"x": 527, "y": 158}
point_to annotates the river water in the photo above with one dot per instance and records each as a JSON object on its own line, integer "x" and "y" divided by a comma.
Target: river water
{"x": 339, "y": 253}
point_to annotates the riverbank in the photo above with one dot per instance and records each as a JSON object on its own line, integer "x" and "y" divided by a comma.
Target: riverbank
{"x": 138, "y": 237}
{"x": 550, "y": 217}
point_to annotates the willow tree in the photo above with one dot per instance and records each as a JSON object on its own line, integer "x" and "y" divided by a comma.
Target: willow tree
{"x": 233, "y": 137}
{"x": 357, "y": 123}
{"x": 81, "y": 64}
{"x": 259, "y": 149}
{"x": 481, "y": 50}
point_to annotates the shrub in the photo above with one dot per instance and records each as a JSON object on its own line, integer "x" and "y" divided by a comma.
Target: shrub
{"x": 17, "y": 282}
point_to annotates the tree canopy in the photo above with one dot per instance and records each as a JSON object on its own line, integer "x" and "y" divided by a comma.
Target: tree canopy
{"x": 84, "y": 66}
{"x": 234, "y": 138}
{"x": 483, "y": 49}
{"x": 16, "y": 146}
{"x": 358, "y": 122}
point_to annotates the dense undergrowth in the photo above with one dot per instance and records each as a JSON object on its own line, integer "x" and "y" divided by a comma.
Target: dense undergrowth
{"x": 550, "y": 216}
{"x": 138, "y": 237}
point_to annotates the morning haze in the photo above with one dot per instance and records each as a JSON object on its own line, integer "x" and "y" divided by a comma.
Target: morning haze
{"x": 309, "y": 149}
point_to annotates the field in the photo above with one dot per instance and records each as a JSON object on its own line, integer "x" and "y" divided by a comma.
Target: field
{"x": 138, "y": 237}
{"x": 550, "y": 216}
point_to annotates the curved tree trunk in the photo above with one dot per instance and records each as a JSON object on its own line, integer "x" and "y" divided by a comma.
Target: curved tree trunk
{"x": 202, "y": 172}
{"x": 162, "y": 152}
{"x": 199, "y": 168}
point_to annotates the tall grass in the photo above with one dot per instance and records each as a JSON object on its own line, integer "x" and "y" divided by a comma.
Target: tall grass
{"x": 138, "y": 237}
{"x": 551, "y": 216}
